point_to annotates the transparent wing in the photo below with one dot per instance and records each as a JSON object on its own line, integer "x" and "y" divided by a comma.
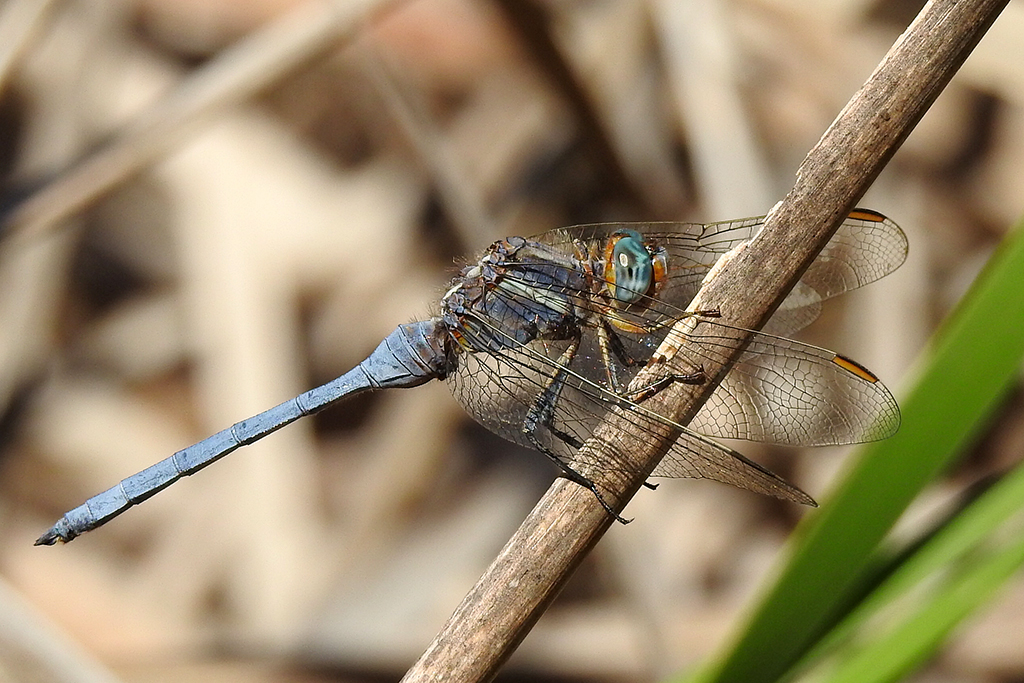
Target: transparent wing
{"x": 866, "y": 247}
{"x": 779, "y": 391}
{"x": 784, "y": 392}
{"x": 501, "y": 390}
{"x": 692, "y": 458}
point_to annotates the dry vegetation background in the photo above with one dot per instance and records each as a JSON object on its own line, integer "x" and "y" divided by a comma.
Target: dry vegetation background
{"x": 274, "y": 242}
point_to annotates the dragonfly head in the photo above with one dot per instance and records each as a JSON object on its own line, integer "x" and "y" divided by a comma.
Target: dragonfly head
{"x": 632, "y": 269}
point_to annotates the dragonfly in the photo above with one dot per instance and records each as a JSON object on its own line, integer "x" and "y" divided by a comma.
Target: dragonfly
{"x": 542, "y": 337}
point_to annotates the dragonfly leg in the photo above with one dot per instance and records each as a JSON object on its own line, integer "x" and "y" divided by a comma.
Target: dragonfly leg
{"x": 658, "y": 385}
{"x": 612, "y": 346}
{"x": 567, "y": 471}
{"x": 572, "y": 475}
{"x": 604, "y": 340}
{"x": 698, "y": 377}
{"x": 542, "y": 414}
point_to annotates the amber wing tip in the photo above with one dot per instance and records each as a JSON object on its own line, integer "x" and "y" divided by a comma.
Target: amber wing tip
{"x": 867, "y": 215}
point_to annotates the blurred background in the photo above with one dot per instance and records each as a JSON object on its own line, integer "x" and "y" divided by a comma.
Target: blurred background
{"x": 210, "y": 206}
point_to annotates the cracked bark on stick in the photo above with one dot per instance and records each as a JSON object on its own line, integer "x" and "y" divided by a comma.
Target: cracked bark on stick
{"x": 528, "y": 573}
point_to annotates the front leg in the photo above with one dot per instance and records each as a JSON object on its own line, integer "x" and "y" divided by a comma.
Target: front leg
{"x": 613, "y": 351}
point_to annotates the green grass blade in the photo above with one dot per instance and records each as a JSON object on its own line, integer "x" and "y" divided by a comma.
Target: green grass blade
{"x": 963, "y": 535}
{"x": 915, "y": 639}
{"x": 963, "y": 376}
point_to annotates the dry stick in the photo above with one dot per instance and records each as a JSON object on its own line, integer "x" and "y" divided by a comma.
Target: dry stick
{"x": 239, "y": 73}
{"x": 530, "y": 21}
{"x": 20, "y": 22}
{"x": 35, "y": 649}
{"x": 536, "y": 562}
{"x": 463, "y": 200}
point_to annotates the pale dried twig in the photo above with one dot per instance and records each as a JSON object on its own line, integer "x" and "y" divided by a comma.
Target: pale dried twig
{"x": 237, "y": 74}
{"x": 463, "y": 202}
{"x": 20, "y": 21}
{"x": 33, "y": 649}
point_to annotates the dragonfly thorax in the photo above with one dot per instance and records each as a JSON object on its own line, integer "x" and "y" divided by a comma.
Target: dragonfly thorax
{"x": 518, "y": 292}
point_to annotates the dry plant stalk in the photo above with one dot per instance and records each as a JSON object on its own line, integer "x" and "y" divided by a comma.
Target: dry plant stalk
{"x": 237, "y": 74}
{"x": 20, "y": 21}
{"x": 528, "y": 573}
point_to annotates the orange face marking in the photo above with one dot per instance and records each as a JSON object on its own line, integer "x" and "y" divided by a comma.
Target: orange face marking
{"x": 660, "y": 270}
{"x": 609, "y": 261}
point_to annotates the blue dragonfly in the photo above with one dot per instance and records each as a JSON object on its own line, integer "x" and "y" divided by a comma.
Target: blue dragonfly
{"x": 542, "y": 336}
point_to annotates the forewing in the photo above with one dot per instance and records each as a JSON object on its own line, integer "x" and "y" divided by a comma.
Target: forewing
{"x": 779, "y": 391}
{"x": 865, "y": 247}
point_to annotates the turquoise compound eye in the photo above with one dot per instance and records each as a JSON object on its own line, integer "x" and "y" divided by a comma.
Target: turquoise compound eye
{"x": 632, "y": 267}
